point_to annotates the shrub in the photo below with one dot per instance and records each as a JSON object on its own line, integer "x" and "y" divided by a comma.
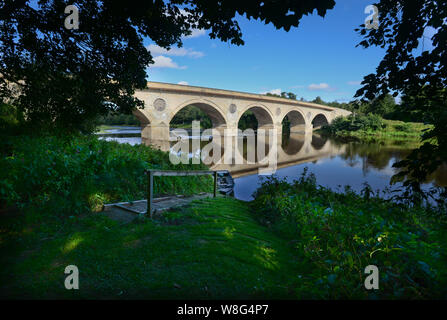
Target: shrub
{"x": 338, "y": 234}
{"x": 404, "y": 127}
{"x": 80, "y": 173}
{"x": 370, "y": 122}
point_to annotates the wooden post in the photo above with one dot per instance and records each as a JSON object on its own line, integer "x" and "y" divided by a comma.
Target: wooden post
{"x": 215, "y": 183}
{"x": 150, "y": 192}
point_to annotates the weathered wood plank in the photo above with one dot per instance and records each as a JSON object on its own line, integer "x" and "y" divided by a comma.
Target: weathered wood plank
{"x": 169, "y": 173}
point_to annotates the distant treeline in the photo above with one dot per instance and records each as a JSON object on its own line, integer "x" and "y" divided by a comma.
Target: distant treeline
{"x": 119, "y": 119}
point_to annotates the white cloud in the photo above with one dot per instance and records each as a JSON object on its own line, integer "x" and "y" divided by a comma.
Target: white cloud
{"x": 320, "y": 87}
{"x": 195, "y": 33}
{"x": 166, "y": 62}
{"x": 354, "y": 83}
{"x": 274, "y": 91}
{"x": 179, "y": 52}
{"x": 184, "y": 83}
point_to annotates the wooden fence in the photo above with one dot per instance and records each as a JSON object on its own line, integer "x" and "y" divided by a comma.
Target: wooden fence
{"x": 171, "y": 173}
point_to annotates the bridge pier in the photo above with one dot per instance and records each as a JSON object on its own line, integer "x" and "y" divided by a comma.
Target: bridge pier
{"x": 156, "y": 135}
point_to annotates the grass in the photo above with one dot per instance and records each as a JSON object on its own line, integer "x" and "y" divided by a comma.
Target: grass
{"x": 213, "y": 249}
{"x": 338, "y": 234}
{"x": 102, "y": 129}
{"x": 294, "y": 241}
{"x": 391, "y": 130}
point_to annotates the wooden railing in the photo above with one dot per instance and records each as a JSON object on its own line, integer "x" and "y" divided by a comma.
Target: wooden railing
{"x": 171, "y": 173}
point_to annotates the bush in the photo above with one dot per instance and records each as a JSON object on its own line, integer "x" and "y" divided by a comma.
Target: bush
{"x": 78, "y": 174}
{"x": 404, "y": 127}
{"x": 338, "y": 234}
{"x": 370, "y": 122}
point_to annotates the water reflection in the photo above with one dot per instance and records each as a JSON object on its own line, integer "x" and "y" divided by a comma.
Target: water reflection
{"x": 253, "y": 154}
{"x": 335, "y": 164}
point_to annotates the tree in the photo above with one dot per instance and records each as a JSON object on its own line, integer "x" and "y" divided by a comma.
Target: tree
{"x": 409, "y": 68}
{"x": 318, "y": 100}
{"x": 410, "y": 108}
{"x": 66, "y": 78}
{"x": 382, "y": 106}
{"x": 290, "y": 95}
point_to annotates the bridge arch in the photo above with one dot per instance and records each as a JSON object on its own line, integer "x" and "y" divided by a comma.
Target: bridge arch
{"x": 144, "y": 118}
{"x": 211, "y": 109}
{"x": 297, "y": 121}
{"x": 262, "y": 113}
{"x": 319, "y": 120}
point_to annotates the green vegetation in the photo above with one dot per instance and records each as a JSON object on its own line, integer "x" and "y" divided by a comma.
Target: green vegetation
{"x": 118, "y": 119}
{"x": 76, "y": 174}
{"x": 373, "y": 127}
{"x": 185, "y": 117}
{"x": 336, "y": 235}
{"x": 214, "y": 249}
{"x": 294, "y": 241}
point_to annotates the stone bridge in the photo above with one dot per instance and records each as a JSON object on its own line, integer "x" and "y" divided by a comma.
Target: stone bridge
{"x": 225, "y": 108}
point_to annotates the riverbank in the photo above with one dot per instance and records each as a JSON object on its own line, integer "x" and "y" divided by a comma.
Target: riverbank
{"x": 338, "y": 234}
{"x": 69, "y": 175}
{"x": 293, "y": 242}
{"x": 374, "y": 129}
{"x": 213, "y": 249}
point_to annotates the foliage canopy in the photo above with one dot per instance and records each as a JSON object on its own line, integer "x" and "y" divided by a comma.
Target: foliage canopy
{"x": 66, "y": 78}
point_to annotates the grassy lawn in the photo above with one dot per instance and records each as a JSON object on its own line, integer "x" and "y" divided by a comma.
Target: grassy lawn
{"x": 212, "y": 249}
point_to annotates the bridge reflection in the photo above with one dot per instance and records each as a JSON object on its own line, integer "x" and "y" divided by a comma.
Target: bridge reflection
{"x": 252, "y": 153}
{"x": 290, "y": 150}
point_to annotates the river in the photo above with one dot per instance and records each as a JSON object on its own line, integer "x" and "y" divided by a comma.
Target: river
{"x": 334, "y": 164}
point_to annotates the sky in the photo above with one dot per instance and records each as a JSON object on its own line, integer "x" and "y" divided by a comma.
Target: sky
{"x": 319, "y": 58}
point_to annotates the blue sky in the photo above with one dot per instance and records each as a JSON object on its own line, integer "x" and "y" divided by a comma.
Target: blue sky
{"x": 319, "y": 58}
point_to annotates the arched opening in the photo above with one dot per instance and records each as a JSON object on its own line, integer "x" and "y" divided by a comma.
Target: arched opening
{"x": 254, "y": 118}
{"x": 319, "y": 121}
{"x": 253, "y": 145}
{"x": 293, "y": 130}
{"x": 293, "y": 122}
{"x": 201, "y": 144}
{"x": 208, "y": 116}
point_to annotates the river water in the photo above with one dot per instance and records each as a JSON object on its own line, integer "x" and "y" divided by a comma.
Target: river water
{"x": 334, "y": 164}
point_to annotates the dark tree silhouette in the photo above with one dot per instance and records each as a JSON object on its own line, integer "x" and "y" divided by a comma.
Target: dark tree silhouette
{"x": 66, "y": 78}
{"x": 412, "y": 68}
